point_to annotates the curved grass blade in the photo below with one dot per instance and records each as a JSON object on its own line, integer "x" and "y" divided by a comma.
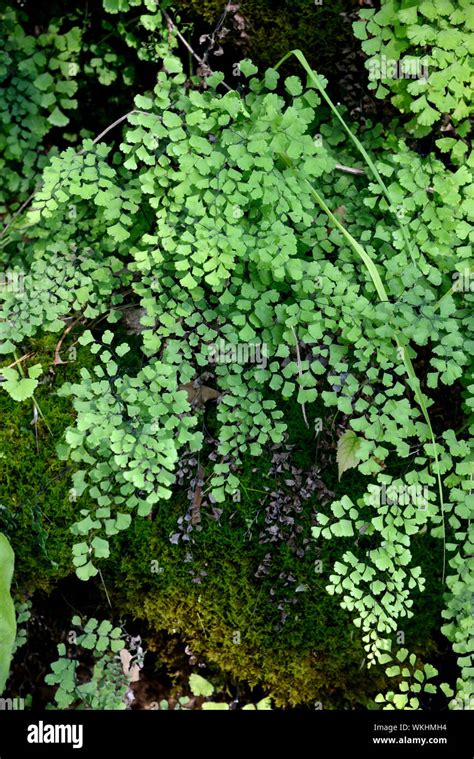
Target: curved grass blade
{"x": 403, "y": 350}
{"x": 315, "y": 79}
{"x": 7, "y": 610}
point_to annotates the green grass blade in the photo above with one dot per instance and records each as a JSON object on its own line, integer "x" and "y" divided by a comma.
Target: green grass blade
{"x": 382, "y": 293}
{"x": 315, "y": 79}
{"x": 7, "y": 610}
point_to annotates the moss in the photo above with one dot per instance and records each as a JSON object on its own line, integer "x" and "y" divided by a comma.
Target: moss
{"x": 273, "y": 29}
{"x": 315, "y": 655}
{"x": 34, "y": 484}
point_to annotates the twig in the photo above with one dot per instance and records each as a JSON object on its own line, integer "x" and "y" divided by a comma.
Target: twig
{"x": 57, "y": 358}
{"x": 361, "y": 172}
{"x": 105, "y": 588}
{"x": 20, "y": 210}
{"x": 186, "y": 44}
{"x": 349, "y": 169}
{"x": 212, "y": 37}
{"x": 111, "y": 126}
{"x": 188, "y": 47}
{"x": 35, "y": 422}
{"x": 19, "y": 360}
{"x": 35, "y": 402}
{"x": 197, "y": 498}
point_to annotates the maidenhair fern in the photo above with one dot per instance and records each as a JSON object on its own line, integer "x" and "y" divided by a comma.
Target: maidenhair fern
{"x": 222, "y": 219}
{"x": 432, "y": 44}
{"x": 107, "y": 684}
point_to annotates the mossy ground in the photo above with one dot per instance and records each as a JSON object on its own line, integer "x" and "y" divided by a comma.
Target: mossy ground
{"x": 34, "y": 484}
{"x": 231, "y": 619}
{"x": 274, "y": 28}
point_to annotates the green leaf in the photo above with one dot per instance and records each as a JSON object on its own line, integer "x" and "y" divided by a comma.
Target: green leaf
{"x": 143, "y": 102}
{"x": 89, "y": 640}
{"x": 189, "y": 282}
{"x": 360, "y": 29}
{"x": 87, "y": 571}
{"x": 35, "y": 371}
{"x": 43, "y": 81}
{"x": 293, "y": 85}
{"x": 271, "y": 79}
{"x": 105, "y": 627}
{"x": 7, "y": 610}
{"x": 86, "y": 338}
{"x": 348, "y": 447}
{"x": 91, "y": 625}
{"x": 122, "y": 349}
{"x": 400, "y": 700}
{"x": 447, "y": 690}
{"x": 21, "y": 389}
{"x": 343, "y": 528}
{"x": 265, "y": 704}
{"x": 172, "y": 64}
{"x": 123, "y": 521}
{"x": 200, "y": 686}
{"x": 57, "y": 118}
{"x": 118, "y": 232}
{"x": 247, "y": 68}
{"x": 101, "y": 548}
{"x": 80, "y": 548}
